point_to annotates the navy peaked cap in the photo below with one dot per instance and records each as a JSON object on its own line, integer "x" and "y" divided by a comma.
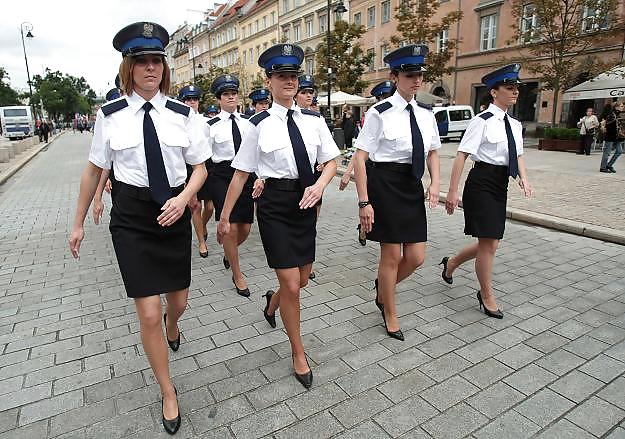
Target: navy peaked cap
{"x": 505, "y": 75}
{"x": 383, "y": 87}
{"x": 212, "y": 109}
{"x": 306, "y": 82}
{"x": 142, "y": 38}
{"x": 189, "y": 91}
{"x": 409, "y": 58}
{"x": 223, "y": 83}
{"x": 259, "y": 95}
{"x": 113, "y": 93}
{"x": 281, "y": 58}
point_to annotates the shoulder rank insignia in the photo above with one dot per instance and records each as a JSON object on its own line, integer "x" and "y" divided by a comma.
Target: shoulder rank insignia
{"x": 177, "y": 107}
{"x": 422, "y": 105}
{"x": 213, "y": 121}
{"x": 114, "y": 106}
{"x": 383, "y": 106}
{"x": 310, "y": 112}
{"x": 486, "y": 115}
{"x": 258, "y": 117}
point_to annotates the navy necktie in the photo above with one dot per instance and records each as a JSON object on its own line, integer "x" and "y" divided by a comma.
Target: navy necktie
{"x": 157, "y": 175}
{"x": 418, "y": 156}
{"x": 513, "y": 161}
{"x": 302, "y": 161}
{"x": 236, "y": 134}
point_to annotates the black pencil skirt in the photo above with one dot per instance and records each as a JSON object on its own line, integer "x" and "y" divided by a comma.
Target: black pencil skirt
{"x": 398, "y": 203}
{"x": 219, "y": 180}
{"x": 484, "y": 201}
{"x": 205, "y": 192}
{"x": 288, "y": 233}
{"x": 152, "y": 259}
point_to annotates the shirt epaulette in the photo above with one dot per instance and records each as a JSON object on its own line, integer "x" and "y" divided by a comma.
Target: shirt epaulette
{"x": 310, "y": 112}
{"x": 213, "y": 121}
{"x": 245, "y": 116}
{"x": 257, "y": 118}
{"x": 486, "y": 115}
{"x": 422, "y": 105}
{"x": 177, "y": 107}
{"x": 383, "y": 107}
{"x": 114, "y": 106}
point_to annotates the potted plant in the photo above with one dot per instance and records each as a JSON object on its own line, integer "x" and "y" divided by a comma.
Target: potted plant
{"x": 560, "y": 139}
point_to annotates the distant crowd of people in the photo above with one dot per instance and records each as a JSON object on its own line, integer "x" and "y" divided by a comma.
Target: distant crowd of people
{"x": 607, "y": 129}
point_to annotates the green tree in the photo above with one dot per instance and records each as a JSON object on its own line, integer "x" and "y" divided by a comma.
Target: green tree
{"x": 555, "y": 39}
{"x": 416, "y": 25}
{"x": 347, "y": 59}
{"x": 8, "y": 96}
{"x": 62, "y": 94}
{"x": 204, "y": 81}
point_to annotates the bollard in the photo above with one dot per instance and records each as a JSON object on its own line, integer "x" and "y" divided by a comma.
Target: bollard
{"x": 11, "y": 149}
{"x": 4, "y": 155}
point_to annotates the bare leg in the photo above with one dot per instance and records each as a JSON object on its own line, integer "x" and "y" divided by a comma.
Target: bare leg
{"x": 231, "y": 249}
{"x": 243, "y": 233}
{"x": 150, "y": 317}
{"x": 466, "y": 254}
{"x": 207, "y": 213}
{"x": 196, "y": 218}
{"x": 484, "y": 270}
{"x": 412, "y": 258}
{"x": 390, "y": 256}
{"x": 176, "y": 305}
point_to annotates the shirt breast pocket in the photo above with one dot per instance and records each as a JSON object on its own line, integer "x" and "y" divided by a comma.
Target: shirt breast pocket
{"x": 222, "y": 136}
{"x": 276, "y": 148}
{"x": 398, "y": 139}
{"x": 174, "y": 137}
{"x": 496, "y": 140}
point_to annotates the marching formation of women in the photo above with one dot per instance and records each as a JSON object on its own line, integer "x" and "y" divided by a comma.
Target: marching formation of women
{"x": 168, "y": 168}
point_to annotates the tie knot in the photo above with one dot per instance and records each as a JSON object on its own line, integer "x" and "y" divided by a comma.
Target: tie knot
{"x": 289, "y": 113}
{"x": 409, "y": 108}
{"x": 147, "y": 106}
{"x": 232, "y": 116}
{"x": 505, "y": 116}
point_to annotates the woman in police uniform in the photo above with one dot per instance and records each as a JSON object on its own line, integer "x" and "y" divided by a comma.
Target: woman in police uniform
{"x": 282, "y": 144}
{"x": 226, "y": 131}
{"x": 494, "y": 141}
{"x": 398, "y": 135}
{"x": 149, "y": 139}
{"x": 190, "y": 95}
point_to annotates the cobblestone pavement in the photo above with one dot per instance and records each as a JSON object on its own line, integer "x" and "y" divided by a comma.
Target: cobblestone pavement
{"x": 72, "y": 366}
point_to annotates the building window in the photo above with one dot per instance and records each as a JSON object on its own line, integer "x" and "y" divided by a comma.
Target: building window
{"x": 297, "y": 32}
{"x": 309, "y": 27}
{"x": 357, "y": 18}
{"x": 370, "y": 17}
{"x": 310, "y": 65}
{"x": 251, "y": 51}
{"x": 386, "y": 11}
{"x": 441, "y": 40}
{"x": 384, "y": 50}
{"x": 273, "y": 18}
{"x": 285, "y": 6}
{"x": 594, "y": 18}
{"x": 264, "y": 22}
{"x": 245, "y": 57}
{"x": 488, "y": 32}
{"x": 286, "y": 34}
{"x": 256, "y": 26}
{"x": 323, "y": 23}
{"x": 371, "y": 66}
{"x": 249, "y": 29}
{"x": 529, "y": 24}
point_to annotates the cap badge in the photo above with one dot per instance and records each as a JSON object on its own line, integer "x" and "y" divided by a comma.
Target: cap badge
{"x": 287, "y": 50}
{"x": 416, "y": 51}
{"x": 148, "y": 28}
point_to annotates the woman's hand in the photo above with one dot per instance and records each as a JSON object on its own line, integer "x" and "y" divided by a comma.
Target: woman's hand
{"x": 173, "y": 209}
{"x": 312, "y": 194}
{"x": 259, "y": 187}
{"x": 528, "y": 190}
{"x": 432, "y": 195}
{"x": 98, "y": 209}
{"x": 453, "y": 198}
{"x": 344, "y": 181}
{"x": 223, "y": 228}
{"x": 108, "y": 186}
{"x": 366, "y": 216}
{"x": 75, "y": 239}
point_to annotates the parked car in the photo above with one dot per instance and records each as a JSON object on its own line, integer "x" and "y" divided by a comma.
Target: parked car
{"x": 453, "y": 120}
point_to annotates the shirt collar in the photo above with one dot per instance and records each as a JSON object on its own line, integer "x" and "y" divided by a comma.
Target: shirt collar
{"x": 135, "y": 101}
{"x": 398, "y": 101}
{"x": 281, "y": 111}
{"x": 497, "y": 112}
{"x": 224, "y": 115}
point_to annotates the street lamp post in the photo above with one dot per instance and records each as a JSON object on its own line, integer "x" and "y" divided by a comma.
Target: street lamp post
{"x": 28, "y": 26}
{"x": 340, "y": 8}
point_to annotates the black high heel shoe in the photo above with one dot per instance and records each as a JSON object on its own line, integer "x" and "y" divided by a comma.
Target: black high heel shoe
{"x": 312, "y": 275}
{"x": 204, "y": 254}
{"x": 305, "y": 379}
{"x": 174, "y": 345}
{"x": 450, "y": 279}
{"x": 397, "y": 335}
{"x": 362, "y": 236}
{"x": 242, "y": 292}
{"x": 171, "y": 425}
{"x": 226, "y": 263}
{"x": 377, "y": 294}
{"x": 271, "y": 319}
{"x": 496, "y": 314}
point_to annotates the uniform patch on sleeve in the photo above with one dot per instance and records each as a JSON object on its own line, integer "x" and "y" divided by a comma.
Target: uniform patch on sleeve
{"x": 114, "y": 106}
{"x": 383, "y": 107}
{"x": 177, "y": 107}
{"x": 257, "y": 118}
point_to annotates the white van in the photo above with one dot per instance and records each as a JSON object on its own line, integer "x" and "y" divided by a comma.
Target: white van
{"x": 453, "y": 120}
{"x": 17, "y": 121}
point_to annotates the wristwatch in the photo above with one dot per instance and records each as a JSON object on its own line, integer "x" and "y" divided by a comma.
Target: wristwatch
{"x": 362, "y": 204}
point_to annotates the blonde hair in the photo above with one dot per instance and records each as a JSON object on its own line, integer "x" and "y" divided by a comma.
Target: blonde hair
{"x": 125, "y": 76}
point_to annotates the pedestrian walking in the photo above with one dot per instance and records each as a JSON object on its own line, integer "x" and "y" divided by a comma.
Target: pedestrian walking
{"x": 399, "y": 137}
{"x": 587, "y": 125}
{"x": 614, "y": 136}
{"x": 227, "y": 129}
{"x": 148, "y": 138}
{"x": 45, "y": 129}
{"x": 282, "y": 145}
{"x": 191, "y": 95}
{"x": 494, "y": 141}
{"x": 349, "y": 127}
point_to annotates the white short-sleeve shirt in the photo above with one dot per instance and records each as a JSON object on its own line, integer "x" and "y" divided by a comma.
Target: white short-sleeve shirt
{"x": 485, "y": 138}
{"x": 266, "y": 148}
{"x": 386, "y": 133}
{"x": 221, "y": 141}
{"x": 118, "y": 139}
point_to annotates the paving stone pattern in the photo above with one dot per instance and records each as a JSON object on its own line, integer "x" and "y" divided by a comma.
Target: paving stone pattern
{"x": 72, "y": 365}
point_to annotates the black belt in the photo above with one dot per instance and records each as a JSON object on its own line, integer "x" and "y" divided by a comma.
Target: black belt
{"x": 495, "y": 168}
{"x": 403, "y": 168}
{"x": 140, "y": 193}
{"x": 284, "y": 184}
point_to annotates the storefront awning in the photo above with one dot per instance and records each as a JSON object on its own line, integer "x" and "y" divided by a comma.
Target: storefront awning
{"x": 610, "y": 84}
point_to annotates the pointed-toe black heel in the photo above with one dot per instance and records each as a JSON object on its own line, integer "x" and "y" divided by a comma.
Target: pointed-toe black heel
{"x": 241, "y": 292}
{"x": 204, "y": 254}
{"x": 448, "y": 279}
{"x": 497, "y": 314}
{"x": 271, "y": 319}
{"x": 379, "y": 304}
{"x": 362, "y": 236}
{"x": 171, "y": 426}
{"x": 305, "y": 379}
{"x": 397, "y": 335}
{"x": 226, "y": 263}
{"x": 312, "y": 275}
{"x": 174, "y": 345}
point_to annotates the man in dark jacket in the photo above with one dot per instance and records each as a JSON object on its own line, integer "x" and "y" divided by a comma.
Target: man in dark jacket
{"x": 614, "y": 136}
{"x": 349, "y": 128}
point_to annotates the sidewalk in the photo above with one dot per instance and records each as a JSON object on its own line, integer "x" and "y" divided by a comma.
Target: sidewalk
{"x": 570, "y": 193}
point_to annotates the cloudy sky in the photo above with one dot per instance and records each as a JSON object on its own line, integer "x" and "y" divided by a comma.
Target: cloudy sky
{"x": 75, "y": 37}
